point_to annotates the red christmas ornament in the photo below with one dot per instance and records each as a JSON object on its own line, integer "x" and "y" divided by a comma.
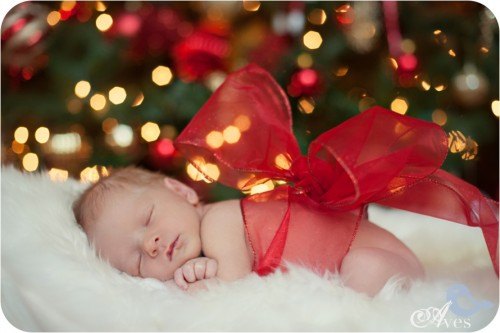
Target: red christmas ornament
{"x": 152, "y": 30}
{"x": 305, "y": 82}
{"x": 202, "y": 53}
{"x": 161, "y": 152}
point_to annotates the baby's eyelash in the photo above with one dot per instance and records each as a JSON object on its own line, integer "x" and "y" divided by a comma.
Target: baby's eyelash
{"x": 150, "y": 214}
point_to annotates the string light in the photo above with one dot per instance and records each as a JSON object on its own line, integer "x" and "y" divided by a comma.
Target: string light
{"x": 138, "y": 100}
{"x": 98, "y": 102}
{"x": 100, "y": 6}
{"x": 251, "y": 6}
{"x": 89, "y": 175}
{"x": 65, "y": 143}
{"x": 439, "y": 117}
{"x": 282, "y": 161}
{"x": 317, "y": 16}
{"x": 214, "y": 139}
{"x": 104, "y": 22}
{"x": 30, "y": 162}
{"x": 53, "y": 18}
{"x": 42, "y": 134}
{"x": 495, "y": 108}
{"x": 458, "y": 143}
{"x": 440, "y": 87}
{"x": 306, "y": 105}
{"x": 341, "y": 71}
{"x": 161, "y": 75}
{"x": 17, "y": 148}
{"x": 67, "y": 6}
{"x": 484, "y": 49}
{"x": 399, "y": 105}
{"x": 150, "y": 131}
{"x": 21, "y": 134}
{"x": 207, "y": 172}
{"x": 122, "y": 135}
{"x": 243, "y": 122}
{"x": 425, "y": 85}
{"x": 312, "y": 40}
{"x": 82, "y": 89}
{"x": 58, "y": 175}
{"x": 452, "y": 53}
{"x": 304, "y": 60}
{"x": 117, "y": 95}
{"x": 231, "y": 134}
{"x": 261, "y": 188}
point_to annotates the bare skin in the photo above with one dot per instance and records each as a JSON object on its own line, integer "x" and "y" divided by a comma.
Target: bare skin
{"x": 159, "y": 232}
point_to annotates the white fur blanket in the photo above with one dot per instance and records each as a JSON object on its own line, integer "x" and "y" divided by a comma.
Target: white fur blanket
{"x": 52, "y": 281}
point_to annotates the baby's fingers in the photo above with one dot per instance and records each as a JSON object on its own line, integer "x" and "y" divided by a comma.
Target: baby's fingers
{"x": 211, "y": 269}
{"x": 188, "y": 272}
{"x": 179, "y": 279}
{"x": 199, "y": 269}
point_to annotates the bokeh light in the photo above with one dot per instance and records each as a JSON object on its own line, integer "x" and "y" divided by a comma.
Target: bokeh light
{"x": 150, "y": 131}
{"x": 117, "y": 95}
{"x": 161, "y": 75}
{"x": 312, "y": 40}
{"x": 21, "y": 134}
{"x": 104, "y": 22}
{"x": 82, "y": 89}
{"x": 98, "y": 102}
{"x": 30, "y": 162}
{"x": 399, "y": 105}
{"x": 42, "y": 134}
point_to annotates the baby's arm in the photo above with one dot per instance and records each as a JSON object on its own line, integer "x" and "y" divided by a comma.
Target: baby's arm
{"x": 223, "y": 239}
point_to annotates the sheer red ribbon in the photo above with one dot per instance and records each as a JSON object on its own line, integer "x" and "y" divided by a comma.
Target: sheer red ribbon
{"x": 242, "y": 137}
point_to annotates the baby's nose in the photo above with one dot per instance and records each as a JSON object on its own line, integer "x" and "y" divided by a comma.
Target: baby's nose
{"x": 152, "y": 245}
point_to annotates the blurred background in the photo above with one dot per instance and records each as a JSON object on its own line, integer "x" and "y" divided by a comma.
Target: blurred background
{"x": 91, "y": 86}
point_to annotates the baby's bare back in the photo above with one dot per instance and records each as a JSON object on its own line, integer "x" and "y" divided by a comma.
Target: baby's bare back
{"x": 224, "y": 239}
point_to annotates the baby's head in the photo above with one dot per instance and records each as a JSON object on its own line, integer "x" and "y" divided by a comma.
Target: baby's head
{"x": 143, "y": 223}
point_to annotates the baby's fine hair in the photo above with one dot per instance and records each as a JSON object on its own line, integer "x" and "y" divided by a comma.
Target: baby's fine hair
{"x": 88, "y": 205}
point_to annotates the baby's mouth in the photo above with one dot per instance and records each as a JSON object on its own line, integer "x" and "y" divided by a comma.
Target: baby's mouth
{"x": 171, "y": 248}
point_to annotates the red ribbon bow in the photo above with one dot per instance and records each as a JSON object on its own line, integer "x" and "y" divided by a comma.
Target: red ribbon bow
{"x": 242, "y": 137}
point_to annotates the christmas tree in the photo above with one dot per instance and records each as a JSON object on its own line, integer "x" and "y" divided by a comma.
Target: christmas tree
{"x": 89, "y": 86}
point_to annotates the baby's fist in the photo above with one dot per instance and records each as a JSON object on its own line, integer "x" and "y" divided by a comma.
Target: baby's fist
{"x": 194, "y": 270}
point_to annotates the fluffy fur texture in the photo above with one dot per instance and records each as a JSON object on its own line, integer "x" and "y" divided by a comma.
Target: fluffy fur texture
{"x": 52, "y": 281}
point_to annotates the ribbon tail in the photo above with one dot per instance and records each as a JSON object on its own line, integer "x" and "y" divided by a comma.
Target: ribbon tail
{"x": 274, "y": 253}
{"x": 447, "y": 197}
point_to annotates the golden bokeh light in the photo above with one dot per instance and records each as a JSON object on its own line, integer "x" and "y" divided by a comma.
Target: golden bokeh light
{"x": 456, "y": 141}
{"x": 17, "y": 148}
{"x": 108, "y": 124}
{"x": 399, "y": 105}
{"x": 68, "y": 5}
{"x": 317, "y": 16}
{"x": 104, "y": 22}
{"x": 138, "y": 99}
{"x": 42, "y": 134}
{"x": 82, "y": 89}
{"x": 306, "y": 105}
{"x": 393, "y": 62}
{"x": 439, "y": 117}
{"x": 117, "y": 95}
{"x": 214, "y": 139}
{"x": 243, "y": 122}
{"x": 100, "y": 6}
{"x": 98, "y": 102}
{"x": 408, "y": 46}
{"x": 65, "y": 143}
{"x": 58, "y": 175}
{"x": 440, "y": 87}
{"x": 261, "y": 188}
{"x": 53, "y": 18}
{"x": 122, "y": 135}
{"x": 89, "y": 175}
{"x": 341, "y": 71}
{"x": 21, "y": 134}
{"x": 495, "y": 108}
{"x": 161, "y": 75}
{"x": 312, "y": 40}
{"x": 425, "y": 85}
{"x": 231, "y": 134}
{"x": 452, "y": 53}
{"x": 150, "y": 131}
{"x": 304, "y": 60}
{"x": 251, "y": 6}
{"x": 30, "y": 162}
{"x": 282, "y": 161}
{"x": 207, "y": 172}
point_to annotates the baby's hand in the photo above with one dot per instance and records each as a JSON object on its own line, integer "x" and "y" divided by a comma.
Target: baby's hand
{"x": 194, "y": 270}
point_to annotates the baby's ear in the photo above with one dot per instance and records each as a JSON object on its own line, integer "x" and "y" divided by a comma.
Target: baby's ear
{"x": 181, "y": 189}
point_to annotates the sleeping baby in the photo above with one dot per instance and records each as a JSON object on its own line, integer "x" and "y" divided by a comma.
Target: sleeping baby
{"x": 151, "y": 226}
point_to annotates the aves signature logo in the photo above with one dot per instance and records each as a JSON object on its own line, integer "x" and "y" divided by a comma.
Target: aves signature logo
{"x": 459, "y": 301}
